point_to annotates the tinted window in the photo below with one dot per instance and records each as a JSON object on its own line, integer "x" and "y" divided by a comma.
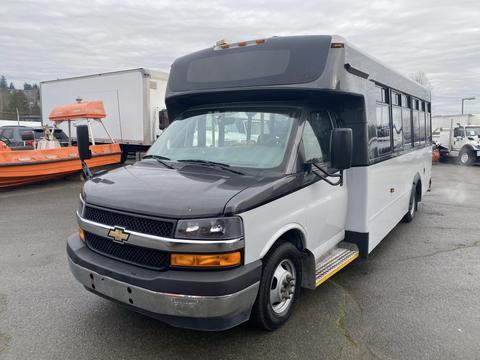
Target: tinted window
{"x": 8, "y": 133}
{"x": 421, "y": 121}
{"x": 278, "y": 61}
{"x": 405, "y": 101}
{"x": 416, "y": 127}
{"x": 429, "y": 124}
{"x": 316, "y": 137}
{"x": 381, "y": 94}
{"x": 397, "y": 128}
{"x": 60, "y": 135}
{"x": 257, "y": 64}
{"x": 396, "y": 99}
{"x": 458, "y": 132}
{"x": 383, "y": 129}
{"x": 407, "y": 127}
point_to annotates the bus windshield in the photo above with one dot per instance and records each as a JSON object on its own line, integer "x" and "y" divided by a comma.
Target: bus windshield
{"x": 249, "y": 139}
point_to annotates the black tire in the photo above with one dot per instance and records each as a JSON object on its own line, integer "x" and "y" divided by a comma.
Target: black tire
{"x": 263, "y": 314}
{"x": 412, "y": 206}
{"x": 466, "y": 157}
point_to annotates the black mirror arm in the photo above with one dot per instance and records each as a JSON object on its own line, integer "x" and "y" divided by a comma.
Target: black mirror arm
{"x": 326, "y": 174}
{"x": 86, "y": 172}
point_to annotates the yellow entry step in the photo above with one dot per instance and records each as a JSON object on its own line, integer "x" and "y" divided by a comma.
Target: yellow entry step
{"x": 335, "y": 261}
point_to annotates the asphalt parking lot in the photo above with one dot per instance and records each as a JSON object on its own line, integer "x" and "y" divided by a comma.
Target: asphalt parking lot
{"x": 416, "y": 296}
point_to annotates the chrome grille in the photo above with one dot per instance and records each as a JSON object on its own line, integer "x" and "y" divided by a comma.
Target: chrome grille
{"x": 145, "y": 257}
{"x": 141, "y": 224}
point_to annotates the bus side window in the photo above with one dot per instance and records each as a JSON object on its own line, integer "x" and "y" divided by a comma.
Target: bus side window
{"x": 407, "y": 121}
{"x": 416, "y": 122}
{"x": 397, "y": 122}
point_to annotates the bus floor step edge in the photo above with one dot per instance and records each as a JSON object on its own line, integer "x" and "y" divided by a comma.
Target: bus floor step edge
{"x": 336, "y": 260}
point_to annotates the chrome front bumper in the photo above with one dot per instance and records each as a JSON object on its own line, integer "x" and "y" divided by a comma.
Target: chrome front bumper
{"x": 178, "y": 305}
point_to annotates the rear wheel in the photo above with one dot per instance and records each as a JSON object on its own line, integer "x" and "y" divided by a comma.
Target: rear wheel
{"x": 466, "y": 157}
{"x": 412, "y": 206}
{"x": 279, "y": 288}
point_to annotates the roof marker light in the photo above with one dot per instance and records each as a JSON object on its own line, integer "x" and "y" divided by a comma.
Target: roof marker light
{"x": 220, "y": 42}
{"x": 242, "y": 43}
{"x": 260, "y": 41}
{"x": 337, "y": 45}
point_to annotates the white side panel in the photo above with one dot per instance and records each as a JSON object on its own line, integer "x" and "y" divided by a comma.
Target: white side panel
{"x": 121, "y": 93}
{"x": 157, "y": 103}
{"x": 22, "y": 123}
{"x": 318, "y": 211}
{"x": 357, "y": 182}
{"x": 389, "y": 184}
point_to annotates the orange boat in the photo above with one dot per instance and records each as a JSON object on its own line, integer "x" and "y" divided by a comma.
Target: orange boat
{"x": 48, "y": 159}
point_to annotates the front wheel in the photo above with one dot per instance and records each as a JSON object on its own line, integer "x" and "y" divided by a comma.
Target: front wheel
{"x": 279, "y": 288}
{"x": 412, "y": 206}
{"x": 466, "y": 157}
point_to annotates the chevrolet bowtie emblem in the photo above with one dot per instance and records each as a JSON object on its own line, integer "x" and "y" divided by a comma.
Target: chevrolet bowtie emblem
{"x": 118, "y": 234}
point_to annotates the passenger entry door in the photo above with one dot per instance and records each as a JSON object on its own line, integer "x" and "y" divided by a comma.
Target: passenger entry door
{"x": 328, "y": 203}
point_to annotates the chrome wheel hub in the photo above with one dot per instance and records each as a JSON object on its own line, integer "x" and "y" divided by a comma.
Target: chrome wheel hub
{"x": 282, "y": 286}
{"x": 464, "y": 158}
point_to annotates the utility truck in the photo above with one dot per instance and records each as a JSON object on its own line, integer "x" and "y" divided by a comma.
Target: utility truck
{"x": 133, "y": 99}
{"x": 461, "y": 142}
{"x": 287, "y": 159}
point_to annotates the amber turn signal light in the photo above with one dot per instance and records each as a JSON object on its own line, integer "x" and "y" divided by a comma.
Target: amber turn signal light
{"x": 81, "y": 233}
{"x": 206, "y": 260}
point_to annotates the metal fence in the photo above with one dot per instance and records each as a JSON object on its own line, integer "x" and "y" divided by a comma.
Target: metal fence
{"x": 22, "y": 117}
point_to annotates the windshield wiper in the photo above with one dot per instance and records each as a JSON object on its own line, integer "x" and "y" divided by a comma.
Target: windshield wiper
{"x": 222, "y": 166}
{"x": 160, "y": 159}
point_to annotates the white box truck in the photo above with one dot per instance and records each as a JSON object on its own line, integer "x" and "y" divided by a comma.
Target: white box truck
{"x": 133, "y": 100}
{"x": 459, "y": 141}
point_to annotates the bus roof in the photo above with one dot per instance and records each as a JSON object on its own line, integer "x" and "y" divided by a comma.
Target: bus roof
{"x": 313, "y": 62}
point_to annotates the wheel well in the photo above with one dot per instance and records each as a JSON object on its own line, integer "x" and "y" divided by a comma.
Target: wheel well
{"x": 293, "y": 236}
{"x": 467, "y": 147}
{"x": 297, "y": 238}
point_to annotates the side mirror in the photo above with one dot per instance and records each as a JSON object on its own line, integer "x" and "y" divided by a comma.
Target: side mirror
{"x": 341, "y": 147}
{"x": 27, "y": 135}
{"x": 163, "y": 120}
{"x": 83, "y": 143}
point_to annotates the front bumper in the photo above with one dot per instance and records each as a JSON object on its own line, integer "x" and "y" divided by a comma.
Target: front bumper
{"x": 202, "y": 300}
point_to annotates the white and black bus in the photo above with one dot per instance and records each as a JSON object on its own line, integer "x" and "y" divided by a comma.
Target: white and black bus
{"x": 286, "y": 159}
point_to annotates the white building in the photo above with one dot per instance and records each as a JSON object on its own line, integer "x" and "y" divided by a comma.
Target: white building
{"x": 445, "y": 121}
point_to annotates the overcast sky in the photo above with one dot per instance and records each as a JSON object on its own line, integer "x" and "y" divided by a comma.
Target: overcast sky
{"x": 44, "y": 40}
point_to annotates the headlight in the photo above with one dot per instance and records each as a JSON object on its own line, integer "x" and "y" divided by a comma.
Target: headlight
{"x": 209, "y": 229}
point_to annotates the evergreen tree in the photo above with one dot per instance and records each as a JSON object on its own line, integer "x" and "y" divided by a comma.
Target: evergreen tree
{"x": 11, "y": 87}
{"x": 19, "y": 101}
{"x": 3, "y": 82}
{"x": 27, "y": 86}
{"x": 35, "y": 109}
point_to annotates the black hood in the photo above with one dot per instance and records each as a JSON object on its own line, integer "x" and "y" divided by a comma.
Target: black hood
{"x": 148, "y": 188}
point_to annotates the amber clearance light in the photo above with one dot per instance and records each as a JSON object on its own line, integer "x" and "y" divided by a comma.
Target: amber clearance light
{"x": 205, "y": 260}
{"x": 81, "y": 233}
